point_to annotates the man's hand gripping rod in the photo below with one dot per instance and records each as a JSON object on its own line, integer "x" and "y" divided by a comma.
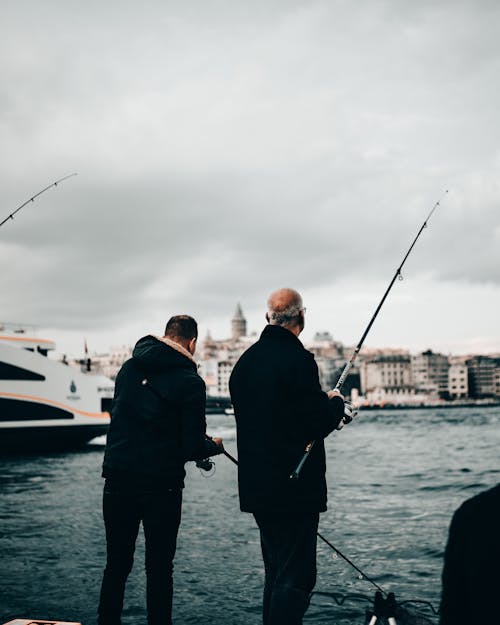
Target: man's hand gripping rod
{"x": 295, "y": 474}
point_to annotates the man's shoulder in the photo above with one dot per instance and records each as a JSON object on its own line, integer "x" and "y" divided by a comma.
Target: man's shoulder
{"x": 127, "y": 368}
{"x": 485, "y": 499}
{"x": 191, "y": 380}
{"x": 485, "y": 504}
{"x": 190, "y": 374}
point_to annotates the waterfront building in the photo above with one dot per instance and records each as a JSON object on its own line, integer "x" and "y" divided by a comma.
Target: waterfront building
{"x": 218, "y": 357}
{"x": 327, "y": 369}
{"x": 458, "y": 384}
{"x": 430, "y": 374}
{"x": 387, "y": 378}
{"x": 330, "y": 357}
{"x": 324, "y": 346}
{"x": 482, "y": 376}
{"x": 224, "y": 368}
{"x": 208, "y": 371}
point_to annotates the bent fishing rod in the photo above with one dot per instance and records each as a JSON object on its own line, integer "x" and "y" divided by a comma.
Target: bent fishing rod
{"x": 32, "y": 199}
{"x": 296, "y": 472}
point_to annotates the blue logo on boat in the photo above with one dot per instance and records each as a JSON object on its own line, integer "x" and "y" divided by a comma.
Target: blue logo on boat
{"x": 72, "y": 387}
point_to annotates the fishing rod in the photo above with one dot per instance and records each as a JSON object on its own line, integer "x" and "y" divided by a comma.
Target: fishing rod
{"x": 32, "y": 199}
{"x": 207, "y": 463}
{"x": 347, "y": 418}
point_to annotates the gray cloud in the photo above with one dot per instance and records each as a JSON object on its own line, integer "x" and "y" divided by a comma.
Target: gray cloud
{"x": 224, "y": 148}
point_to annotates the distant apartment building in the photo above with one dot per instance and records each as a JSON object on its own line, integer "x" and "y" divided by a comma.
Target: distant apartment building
{"x": 216, "y": 363}
{"x": 224, "y": 368}
{"x": 458, "y": 382}
{"x": 208, "y": 371}
{"x": 430, "y": 374}
{"x": 327, "y": 370}
{"x": 330, "y": 358}
{"x": 497, "y": 381}
{"x": 323, "y": 345}
{"x": 387, "y": 378}
{"x": 218, "y": 357}
{"x": 110, "y": 363}
{"x": 482, "y": 376}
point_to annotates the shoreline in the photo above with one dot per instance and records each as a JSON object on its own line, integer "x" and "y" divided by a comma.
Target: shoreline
{"x": 429, "y": 406}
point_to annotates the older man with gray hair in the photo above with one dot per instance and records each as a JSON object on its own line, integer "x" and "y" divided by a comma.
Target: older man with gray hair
{"x": 279, "y": 407}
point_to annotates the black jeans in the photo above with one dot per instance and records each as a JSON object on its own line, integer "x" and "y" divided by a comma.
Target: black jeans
{"x": 125, "y": 505}
{"x": 289, "y": 551}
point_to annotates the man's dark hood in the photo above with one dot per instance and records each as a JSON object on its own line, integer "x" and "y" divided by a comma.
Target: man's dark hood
{"x": 152, "y": 354}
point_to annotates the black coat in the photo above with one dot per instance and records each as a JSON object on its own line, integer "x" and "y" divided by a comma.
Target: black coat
{"x": 471, "y": 572}
{"x": 156, "y": 427}
{"x": 279, "y": 407}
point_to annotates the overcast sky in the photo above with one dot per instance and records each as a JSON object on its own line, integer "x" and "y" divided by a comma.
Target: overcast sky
{"x": 227, "y": 148}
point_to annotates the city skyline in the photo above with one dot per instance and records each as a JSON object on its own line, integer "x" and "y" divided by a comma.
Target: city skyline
{"x": 307, "y": 338}
{"x": 378, "y": 376}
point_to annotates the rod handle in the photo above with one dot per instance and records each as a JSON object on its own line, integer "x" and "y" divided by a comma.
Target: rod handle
{"x": 294, "y": 475}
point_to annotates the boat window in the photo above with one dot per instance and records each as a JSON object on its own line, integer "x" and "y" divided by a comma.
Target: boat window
{"x": 11, "y": 372}
{"x": 18, "y": 410}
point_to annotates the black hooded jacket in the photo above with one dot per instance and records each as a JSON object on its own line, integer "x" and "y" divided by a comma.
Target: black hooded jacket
{"x": 471, "y": 573}
{"x": 279, "y": 407}
{"x": 157, "y": 416}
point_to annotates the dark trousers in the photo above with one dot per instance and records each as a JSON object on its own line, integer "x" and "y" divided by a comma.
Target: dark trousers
{"x": 124, "y": 507}
{"x": 289, "y": 551}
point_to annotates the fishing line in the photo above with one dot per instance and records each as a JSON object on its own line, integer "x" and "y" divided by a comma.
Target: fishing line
{"x": 362, "y": 574}
{"x": 32, "y": 199}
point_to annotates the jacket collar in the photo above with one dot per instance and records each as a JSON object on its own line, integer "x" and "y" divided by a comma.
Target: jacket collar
{"x": 279, "y": 333}
{"x": 175, "y": 346}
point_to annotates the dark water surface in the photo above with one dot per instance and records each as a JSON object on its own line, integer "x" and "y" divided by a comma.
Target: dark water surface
{"x": 394, "y": 478}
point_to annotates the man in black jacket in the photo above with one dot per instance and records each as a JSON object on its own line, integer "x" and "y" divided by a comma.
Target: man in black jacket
{"x": 471, "y": 572}
{"x": 280, "y": 407}
{"x": 157, "y": 424}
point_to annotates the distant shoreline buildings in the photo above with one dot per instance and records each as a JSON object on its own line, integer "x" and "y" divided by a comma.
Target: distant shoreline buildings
{"x": 380, "y": 376}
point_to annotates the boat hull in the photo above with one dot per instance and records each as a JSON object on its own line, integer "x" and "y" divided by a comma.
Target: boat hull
{"x": 38, "y": 438}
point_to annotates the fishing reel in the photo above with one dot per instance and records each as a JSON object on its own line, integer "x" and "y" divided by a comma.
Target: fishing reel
{"x": 206, "y": 466}
{"x": 350, "y": 411}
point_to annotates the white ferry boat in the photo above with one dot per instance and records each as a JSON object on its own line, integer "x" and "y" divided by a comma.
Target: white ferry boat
{"x": 46, "y": 404}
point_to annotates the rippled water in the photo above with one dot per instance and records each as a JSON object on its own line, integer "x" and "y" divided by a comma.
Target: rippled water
{"x": 394, "y": 478}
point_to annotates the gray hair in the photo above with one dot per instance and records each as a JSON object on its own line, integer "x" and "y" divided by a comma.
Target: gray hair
{"x": 284, "y": 317}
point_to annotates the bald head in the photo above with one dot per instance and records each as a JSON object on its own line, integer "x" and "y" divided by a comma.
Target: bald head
{"x": 285, "y": 309}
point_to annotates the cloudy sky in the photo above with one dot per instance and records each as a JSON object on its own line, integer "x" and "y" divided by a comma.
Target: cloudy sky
{"x": 227, "y": 148}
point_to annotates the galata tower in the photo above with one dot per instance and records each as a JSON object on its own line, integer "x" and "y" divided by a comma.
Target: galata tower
{"x": 238, "y": 324}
